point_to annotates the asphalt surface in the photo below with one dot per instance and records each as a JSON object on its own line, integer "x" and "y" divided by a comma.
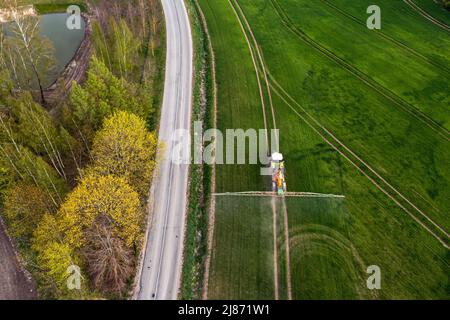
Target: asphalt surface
{"x": 161, "y": 269}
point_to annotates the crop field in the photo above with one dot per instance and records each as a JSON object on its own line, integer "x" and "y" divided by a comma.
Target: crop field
{"x": 323, "y": 264}
{"x": 242, "y": 262}
{"x": 361, "y": 113}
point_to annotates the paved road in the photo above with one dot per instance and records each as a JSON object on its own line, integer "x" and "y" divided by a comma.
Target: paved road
{"x": 161, "y": 269}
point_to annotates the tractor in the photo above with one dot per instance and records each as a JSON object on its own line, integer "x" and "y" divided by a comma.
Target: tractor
{"x": 278, "y": 174}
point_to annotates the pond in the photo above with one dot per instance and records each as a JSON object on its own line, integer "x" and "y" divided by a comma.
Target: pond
{"x": 65, "y": 41}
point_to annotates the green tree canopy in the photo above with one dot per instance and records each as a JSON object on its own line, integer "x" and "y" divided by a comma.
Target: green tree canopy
{"x": 18, "y": 163}
{"x": 102, "y": 94}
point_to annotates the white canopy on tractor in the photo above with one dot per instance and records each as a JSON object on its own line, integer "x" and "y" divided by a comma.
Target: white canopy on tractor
{"x": 277, "y": 156}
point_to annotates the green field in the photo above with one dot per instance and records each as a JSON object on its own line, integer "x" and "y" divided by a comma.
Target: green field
{"x": 52, "y": 6}
{"x": 348, "y": 103}
{"x": 242, "y": 262}
{"x": 438, "y": 12}
{"x": 323, "y": 257}
{"x": 325, "y": 263}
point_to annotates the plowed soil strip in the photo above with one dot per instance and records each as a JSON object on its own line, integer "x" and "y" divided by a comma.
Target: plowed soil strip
{"x": 14, "y": 284}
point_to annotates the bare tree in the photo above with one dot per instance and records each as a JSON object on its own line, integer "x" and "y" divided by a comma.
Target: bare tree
{"x": 155, "y": 21}
{"x": 109, "y": 260}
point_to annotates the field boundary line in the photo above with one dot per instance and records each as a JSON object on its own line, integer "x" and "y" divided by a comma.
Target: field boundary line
{"x": 387, "y": 37}
{"x": 426, "y": 15}
{"x": 362, "y": 171}
{"x": 366, "y": 79}
{"x": 212, "y": 204}
{"x": 287, "y": 194}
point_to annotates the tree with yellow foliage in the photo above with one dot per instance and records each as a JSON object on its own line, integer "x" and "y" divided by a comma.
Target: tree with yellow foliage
{"x": 54, "y": 257}
{"x": 99, "y": 227}
{"x": 107, "y": 196}
{"x": 24, "y": 205}
{"x": 125, "y": 148}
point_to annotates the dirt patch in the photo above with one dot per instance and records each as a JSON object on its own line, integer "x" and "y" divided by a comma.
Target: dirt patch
{"x": 14, "y": 283}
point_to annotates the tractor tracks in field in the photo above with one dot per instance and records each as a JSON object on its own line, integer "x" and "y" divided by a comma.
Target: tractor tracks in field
{"x": 419, "y": 216}
{"x": 376, "y": 178}
{"x": 426, "y": 15}
{"x": 263, "y": 106}
{"x": 388, "y": 94}
{"x": 373, "y": 176}
{"x": 387, "y": 37}
{"x": 258, "y": 64}
{"x": 287, "y": 249}
{"x": 255, "y": 65}
{"x": 275, "y": 248}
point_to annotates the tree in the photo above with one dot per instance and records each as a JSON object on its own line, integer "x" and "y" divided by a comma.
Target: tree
{"x": 108, "y": 197}
{"x": 24, "y": 206}
{"x": 114, "y": 36}
{"x": 110, "y": 262}
{"x": 46, "y": 232}
{"x": 54, "y": 257}
{"x": 27, "y": 123}
{"x": 126, "y": 149}
{"x": 6, "y": 85}
{"x": 20, "y": 164}
{"x": 155, "y": 21}
{"x": 96, "y": 228}
{"x": 102, "y": 94}
{"x": 125, "y": 48}
{"x": 58, "y": 262}
{"x": 446, "y": 4}
{"x": 28, "y": 55}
